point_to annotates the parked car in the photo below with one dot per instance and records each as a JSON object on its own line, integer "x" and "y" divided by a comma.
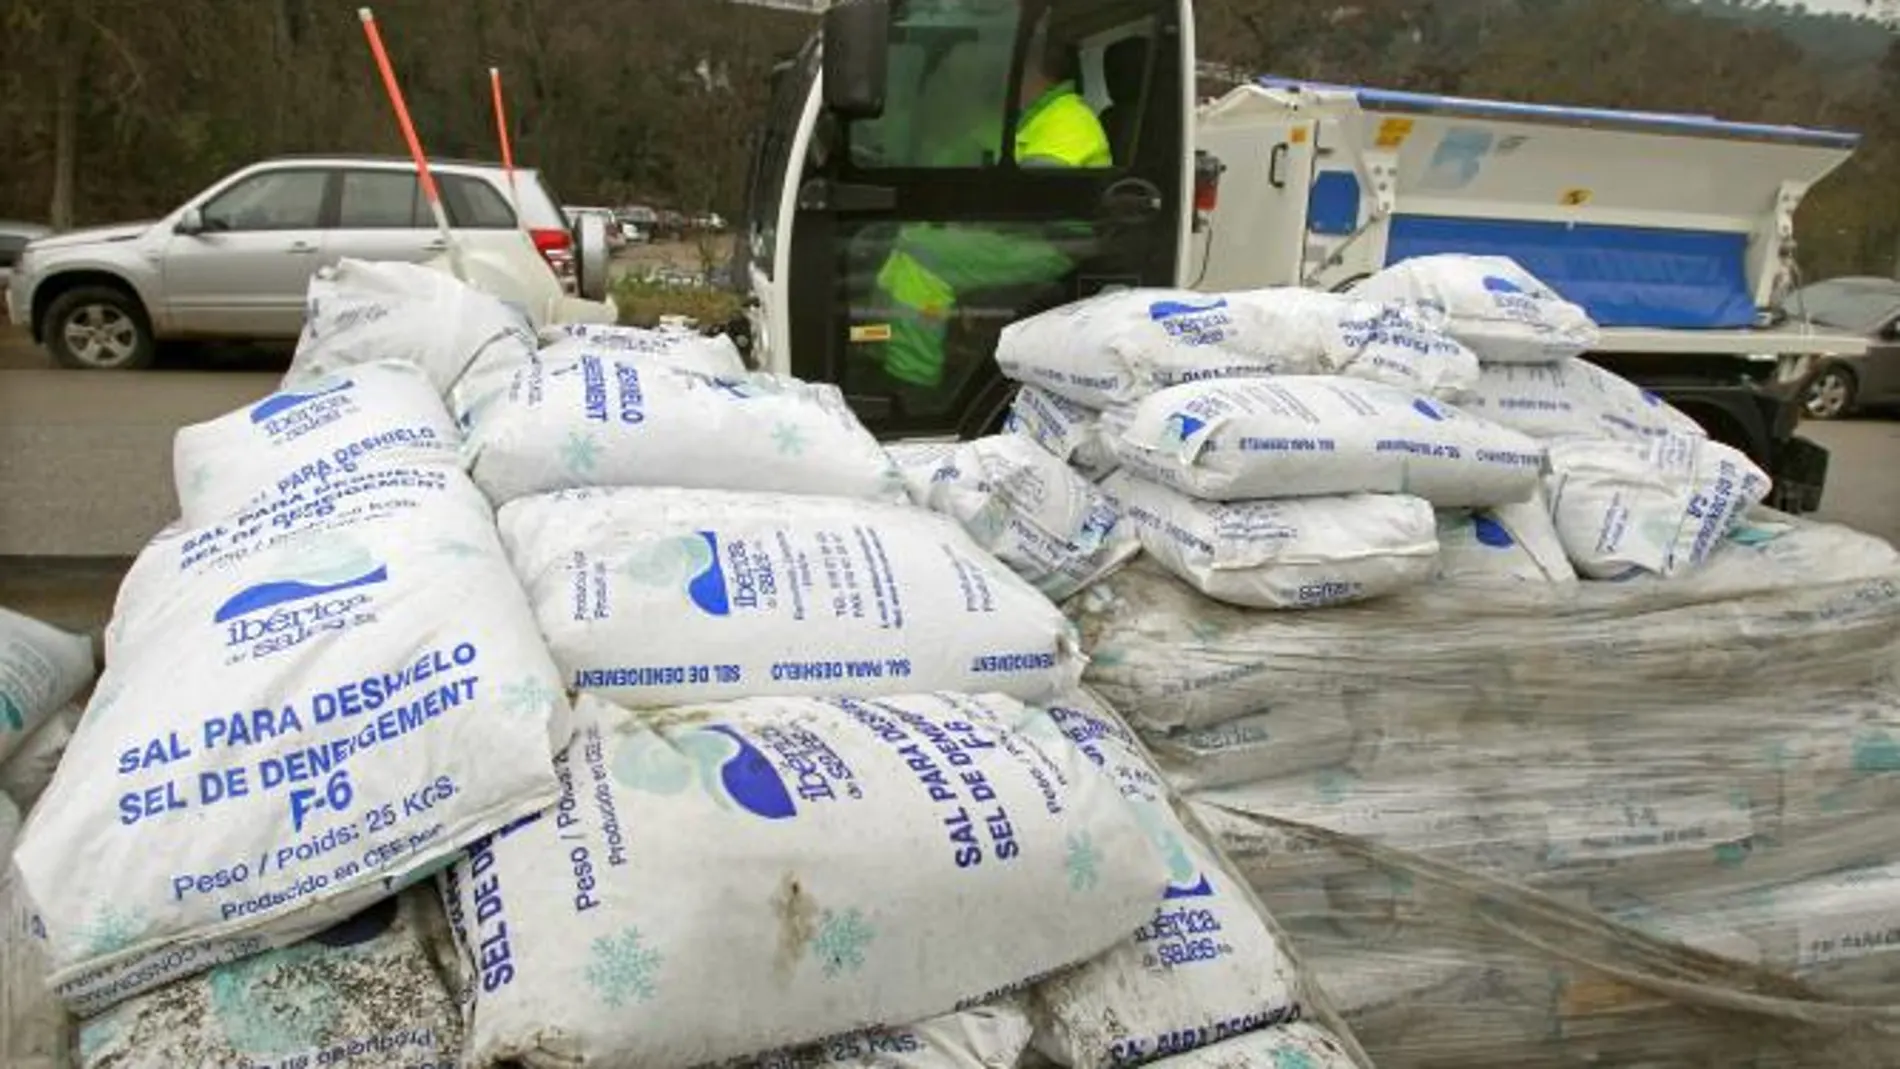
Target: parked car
{"x": 13, "y": 238}
{"x": 234, "y": 262}
{"x": 1859, "y": 305}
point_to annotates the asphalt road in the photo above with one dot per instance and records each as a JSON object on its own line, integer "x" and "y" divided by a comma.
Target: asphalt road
{"x": 85, "y": 469}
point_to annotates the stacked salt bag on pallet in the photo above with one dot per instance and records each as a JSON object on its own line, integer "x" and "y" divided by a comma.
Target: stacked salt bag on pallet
{"x": 1278, "y": 448}
{"x": 1515, "y": 819}
{"x": 814, "y": 784}
{"x": 321, "y": 683}
{"x": 42, "y": 670}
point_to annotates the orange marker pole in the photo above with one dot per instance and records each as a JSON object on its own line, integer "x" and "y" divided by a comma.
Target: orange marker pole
{"x": 507, "y": 149}
{"x": 415, "y": 143}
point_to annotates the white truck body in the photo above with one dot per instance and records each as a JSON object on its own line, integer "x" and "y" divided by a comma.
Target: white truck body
{"x": 1674, "y": 231}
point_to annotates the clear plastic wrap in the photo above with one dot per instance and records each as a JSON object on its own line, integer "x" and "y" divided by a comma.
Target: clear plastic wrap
{"x": 1648, "y": 823}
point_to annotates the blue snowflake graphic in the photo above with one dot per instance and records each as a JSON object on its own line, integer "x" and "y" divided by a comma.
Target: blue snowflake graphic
{"x": 528, "y": 696}
{"x": 623, "y": 969}
{"x": 1084, "y": 862}
{"x": 112, "y": 930}
{"x": 580, "y": 453}
{"x": 455, "y": 549}
{"x": 841, "y": 940}
{"x": 789, "y": 440}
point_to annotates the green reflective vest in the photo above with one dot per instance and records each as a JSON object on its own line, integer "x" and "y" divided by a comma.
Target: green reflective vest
{"x": 931, "y": 263}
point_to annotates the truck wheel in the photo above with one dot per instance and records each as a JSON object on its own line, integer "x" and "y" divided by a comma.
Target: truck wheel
{"x": 98, "y": 328}
{"x": 1831, "y": 395}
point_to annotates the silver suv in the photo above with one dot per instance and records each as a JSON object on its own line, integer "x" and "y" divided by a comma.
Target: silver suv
{"x": 234, "y": 262}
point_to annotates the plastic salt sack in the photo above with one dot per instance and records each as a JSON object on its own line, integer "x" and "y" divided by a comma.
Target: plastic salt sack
{"x": 1515, "y": 543}
{"x": 1203, "y": 966}
{"x": 348, "y": 686}
{"x": 1293, "y": 553}
{"x": 360, "y": 312}
{"x": 1068, "y": 430}
{"x": 991, "y": 1036}
{"x": 623, "y": 421}
{"x": 1303, "y": 436}
{"x": 41, "y": 669}
{"x": 25, "y": 774}
{"x": 34, "y": 1028}
{"x": 1279, "y": 739}
{"x": 1035, "y": 513}
{"x": 776, "y": 594}
{"x": 1491, "y": 304}
{"x": 1299, "y": 1045}
{"x": 381, "y": 414}
{"x": 1119, "y": 346}
{"x": 707, "y": 354}
{"x": 362, "y": 994}
{"x": 751, "y": 876}
{"x": 1660, "y": 507}
{"x": 1574, "y": 399}
{"x": 10, "y": 820}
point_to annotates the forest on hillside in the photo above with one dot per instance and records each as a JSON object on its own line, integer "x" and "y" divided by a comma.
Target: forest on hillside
{"x": 113, "y": 109}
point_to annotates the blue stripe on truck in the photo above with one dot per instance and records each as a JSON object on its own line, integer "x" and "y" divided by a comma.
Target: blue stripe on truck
{"x": 1623, "y": 276}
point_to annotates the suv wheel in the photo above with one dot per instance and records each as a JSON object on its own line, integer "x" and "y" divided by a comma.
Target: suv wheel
{"x": 98, "y": 328}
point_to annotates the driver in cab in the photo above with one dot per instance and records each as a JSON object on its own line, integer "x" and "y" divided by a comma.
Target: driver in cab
{"x": 932, "y": 264}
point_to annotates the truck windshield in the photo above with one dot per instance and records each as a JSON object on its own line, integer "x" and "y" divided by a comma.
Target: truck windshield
{"x": 948, "y": 86}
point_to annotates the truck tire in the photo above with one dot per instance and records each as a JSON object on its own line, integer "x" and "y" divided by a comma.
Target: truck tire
{"x": 98, "y": 328}
{"x": 1831, "y": 394}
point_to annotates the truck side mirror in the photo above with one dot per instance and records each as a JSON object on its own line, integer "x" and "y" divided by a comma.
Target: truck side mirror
{"x": 1891, "y": 332}
{"x": 190, "y": 223}
{"x": 856, "y": 57}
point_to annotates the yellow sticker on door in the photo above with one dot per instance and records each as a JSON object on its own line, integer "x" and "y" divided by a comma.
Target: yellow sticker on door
{"x": 870, "y": 332}
{"x": 1574, "y": 198}
{"x": 1393, "y": 132}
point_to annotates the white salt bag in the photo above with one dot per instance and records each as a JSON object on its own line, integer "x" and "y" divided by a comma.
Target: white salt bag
{"x": 1202, "y": 967}
{"x": 380, "y": 414}
{"x": 1294, "y": 553}
{"x": 1299, "y": 1045}
{"x": 713, "y": 354}
{"x": 25, "y": 774}
{"x": 1574, "y": 399}
{"x": 626, "y": 421}
{"x": 1118, "y": 347}
{"x": 1303, "y": 436}
{"x": 1035, "y": 513}
{"x": 34, "y": 1028}
{"x": 756, "y": 875}
{"x": 362, "y": 311}
{"x": 1068, "y": 430}
{"x": 1491, "y": 304}
{"x": 1661, "y": 507}
{"x": 991, "y": 1036}
{"x": 41, "y": 669}
{"x": 307, "y": 706}
{"x": 776, "y": 594}
{"x": 362, "y": 994}
{"x": 1505, "y": 544}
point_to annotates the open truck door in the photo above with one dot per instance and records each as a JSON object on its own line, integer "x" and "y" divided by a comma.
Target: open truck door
{"x": 912, "y": 150}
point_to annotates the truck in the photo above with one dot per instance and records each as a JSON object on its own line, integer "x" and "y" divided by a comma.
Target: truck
{"x": 1674, "y": 230}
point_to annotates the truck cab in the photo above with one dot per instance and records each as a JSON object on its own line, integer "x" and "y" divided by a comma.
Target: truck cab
{"x": 904, "y": 115}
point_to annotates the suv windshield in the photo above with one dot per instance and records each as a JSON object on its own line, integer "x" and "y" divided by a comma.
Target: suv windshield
{"x": 1847, "y": 305}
